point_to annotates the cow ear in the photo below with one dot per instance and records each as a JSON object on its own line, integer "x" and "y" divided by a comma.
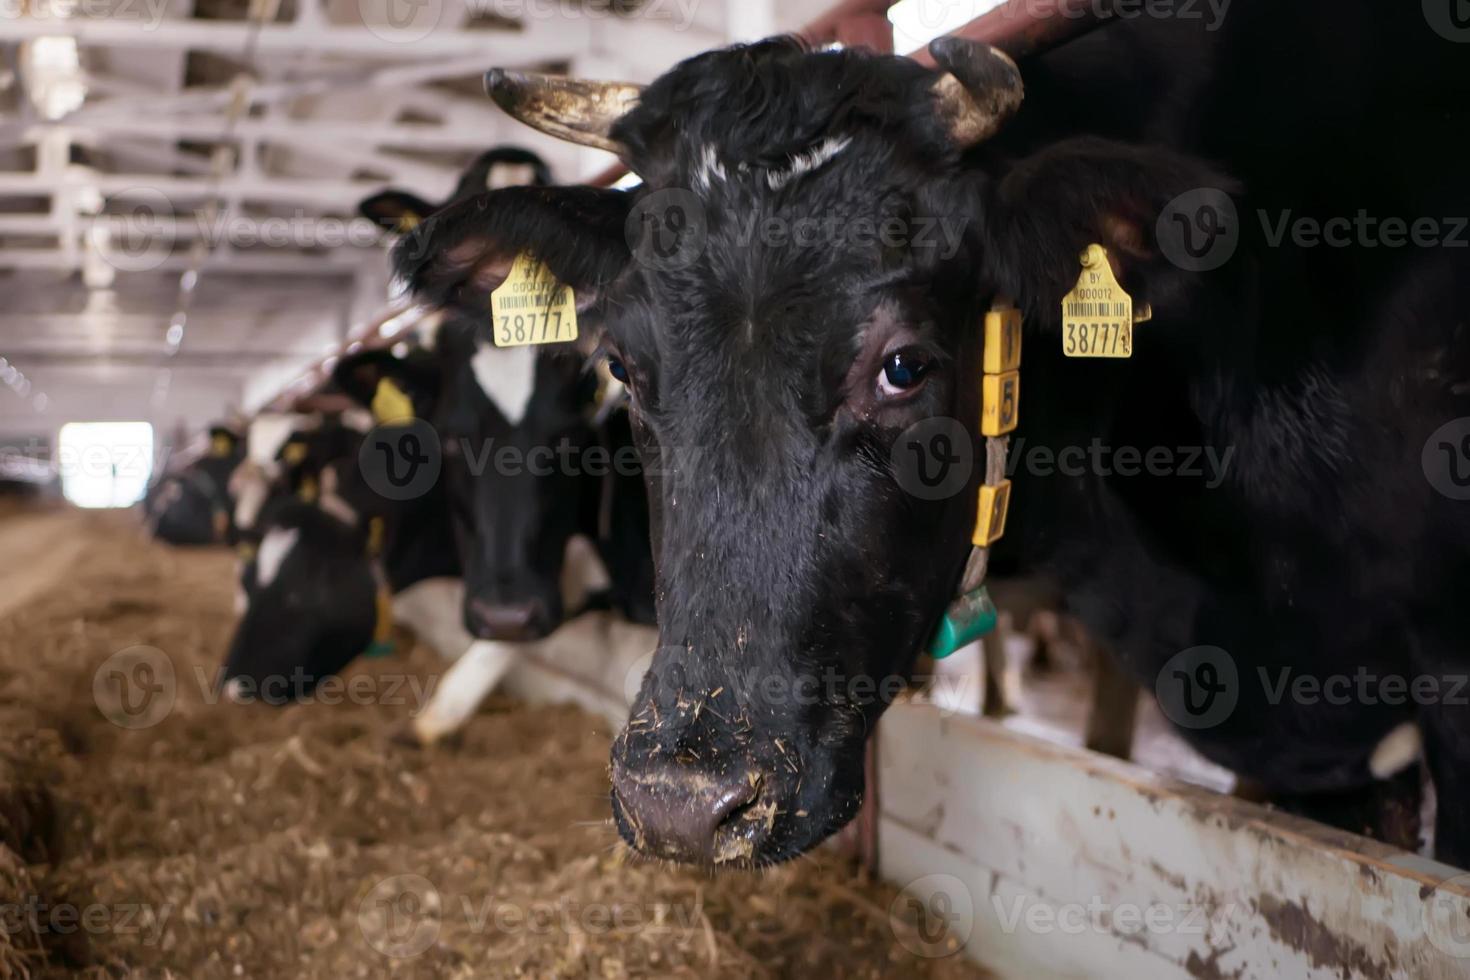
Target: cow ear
{"x": 458, "y": 257}
{"x": 394, "y": 388}
{"x": 1052, "y": 205}
{"x": 397, "y": 211}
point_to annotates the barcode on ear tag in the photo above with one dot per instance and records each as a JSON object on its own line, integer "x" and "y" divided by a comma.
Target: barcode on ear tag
{"x": 1097, "y": 315}
{"x": 531, "y": 307}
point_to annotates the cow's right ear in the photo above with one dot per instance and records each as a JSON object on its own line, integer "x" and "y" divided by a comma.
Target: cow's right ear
{"x": 397, "y": 211}
{"x": 394, "y": 388}
{"x": 463, "y": 253}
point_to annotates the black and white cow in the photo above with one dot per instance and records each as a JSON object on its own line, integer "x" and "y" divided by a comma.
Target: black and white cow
{"x": 309, "y": 589}
{"x": 503, "y": 166}
{"x": 495, "y": 555}
{"x": 534, "y": 406}
{"x": 786, "y": 551}
{"x": 193, "y": 506}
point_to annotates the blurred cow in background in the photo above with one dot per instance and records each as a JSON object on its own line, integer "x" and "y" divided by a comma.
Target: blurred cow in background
{"x": 193, "y": 506}
{"x": 487, "y": 561}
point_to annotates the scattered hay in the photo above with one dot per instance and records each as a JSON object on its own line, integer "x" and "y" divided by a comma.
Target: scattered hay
{"x": 244, "y": 841}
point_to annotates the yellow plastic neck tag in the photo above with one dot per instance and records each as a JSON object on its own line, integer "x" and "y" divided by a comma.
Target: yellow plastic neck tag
{"x": 531, "y": 308}
{"x": 383, "y": 625}
{"x": 390, "y": 405}
{"x": 1097, "y": 315}
{"x": 376, "y": 530}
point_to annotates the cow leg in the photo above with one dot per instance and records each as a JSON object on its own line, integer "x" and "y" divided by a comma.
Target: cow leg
{"x": 1114, "y": 709}
{"x": 1385, "y": 809}
{"x": 1446, "y": 729}
{"x": 463, "y": 687}
{"x": 994, "y": 702}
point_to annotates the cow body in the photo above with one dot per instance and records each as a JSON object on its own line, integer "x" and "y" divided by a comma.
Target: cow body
{"x": 786, "y": 552}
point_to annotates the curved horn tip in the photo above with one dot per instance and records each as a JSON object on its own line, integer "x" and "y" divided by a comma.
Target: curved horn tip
{"x": 964, "y": 57}
{"x": 502, "y": 81}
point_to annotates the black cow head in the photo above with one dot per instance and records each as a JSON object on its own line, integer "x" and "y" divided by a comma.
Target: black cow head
{"x": 194, "y": 506}
{"x": 514, "y": 426}
{"x": 504, "y": 166}
{"x": 307, "y": 605}
{"x": 800, "y": 279}
{"x": 307, "y": 599}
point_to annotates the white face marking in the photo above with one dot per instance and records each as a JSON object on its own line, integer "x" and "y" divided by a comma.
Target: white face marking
{"x": 509, "y": 175}
{"x": 1397, "y": 752}
{"x": 710, "y": 169}
{"x": 274, "y": 548}
{"x": 507, "y": 375}
{"x": 358, "y": 420}
{"x": 805, "y": 163}
{"x": 582, "y": 573}
{"x": 330, "y": 502}
{"x": 251, "y": 490}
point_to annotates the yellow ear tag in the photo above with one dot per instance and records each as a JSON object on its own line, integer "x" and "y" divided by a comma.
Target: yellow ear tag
{"x": 376, "y": 530}
{"x": 531, "y": 308}
{"x": 221, "y": 446}
{"x": 1097, "y": 315}
{"x": 295, "y": 452}
{"x": 407, "y": 222}
{"x": 390, "y": 405}
{"x": 308, "y": 491}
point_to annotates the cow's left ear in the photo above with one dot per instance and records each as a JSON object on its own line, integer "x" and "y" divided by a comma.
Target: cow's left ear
{"x": 458, "y": 257}
{"x": 1051, "y": 206}
{"x": 394, "y": 388}
{"x": 396, "y": 211}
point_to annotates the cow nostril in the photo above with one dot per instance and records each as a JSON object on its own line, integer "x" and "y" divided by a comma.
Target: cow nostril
{"x": 679, "y": 813}
{"x": 514, "y": 621}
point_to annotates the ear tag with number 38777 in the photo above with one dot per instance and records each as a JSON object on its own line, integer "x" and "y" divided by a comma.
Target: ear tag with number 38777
{"x": 531, "y": 308}
{"x": 1097, "y": 315}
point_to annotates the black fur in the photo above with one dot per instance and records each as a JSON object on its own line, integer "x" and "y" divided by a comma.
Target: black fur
{"x": 787, "y": 553}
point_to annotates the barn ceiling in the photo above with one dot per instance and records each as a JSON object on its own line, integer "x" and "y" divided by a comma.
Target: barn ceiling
{"x": 178, "y": 178}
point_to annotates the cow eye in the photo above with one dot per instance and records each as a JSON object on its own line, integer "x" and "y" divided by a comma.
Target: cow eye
{"x": 903, "y": 372}
{"x": 617, "y": 369}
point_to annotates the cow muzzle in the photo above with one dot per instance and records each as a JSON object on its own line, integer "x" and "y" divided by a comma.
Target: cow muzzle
{"x": 511, "y": 622}
{"x": 670, "y": 810}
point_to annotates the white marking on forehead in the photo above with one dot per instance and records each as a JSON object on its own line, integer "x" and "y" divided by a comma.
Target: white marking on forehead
{"x": 358, "y": 420}
{"x": 507, "y": 376}
{"x": 709, "y": 169}
{"x": 274, "y": 548}
{"x": 509, "y": 175}
{"x": 804, "y": 163}
{"x": 252, "y": 486}
{"x": 1397, "y": 752}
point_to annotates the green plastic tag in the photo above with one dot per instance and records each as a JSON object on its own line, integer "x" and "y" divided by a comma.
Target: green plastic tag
{"x": 967, "y": 619}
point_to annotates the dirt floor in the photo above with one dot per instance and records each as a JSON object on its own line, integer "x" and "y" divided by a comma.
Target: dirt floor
{"x": 149, "y": 829}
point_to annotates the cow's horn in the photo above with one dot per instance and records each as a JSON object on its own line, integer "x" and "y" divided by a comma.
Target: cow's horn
{"x": 980, "y": 88}
{"x": 567, "y": 108}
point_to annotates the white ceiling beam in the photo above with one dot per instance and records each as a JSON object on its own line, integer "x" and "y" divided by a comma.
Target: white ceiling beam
{"x": 542, "y": 40}
{"x": 337, "y": 263}
{"x": 419, "y": 136}
{"x": 325, "y": 195}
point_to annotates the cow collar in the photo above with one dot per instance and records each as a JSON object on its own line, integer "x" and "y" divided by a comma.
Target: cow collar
{"x": 972, "y": 614}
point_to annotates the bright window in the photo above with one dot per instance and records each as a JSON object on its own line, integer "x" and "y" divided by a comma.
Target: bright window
{"x": 105, "y": 464}
{"x": 917, "y": 22}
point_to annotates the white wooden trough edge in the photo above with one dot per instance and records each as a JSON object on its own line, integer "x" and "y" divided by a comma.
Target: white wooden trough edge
{"x": 1050, "y": 861}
